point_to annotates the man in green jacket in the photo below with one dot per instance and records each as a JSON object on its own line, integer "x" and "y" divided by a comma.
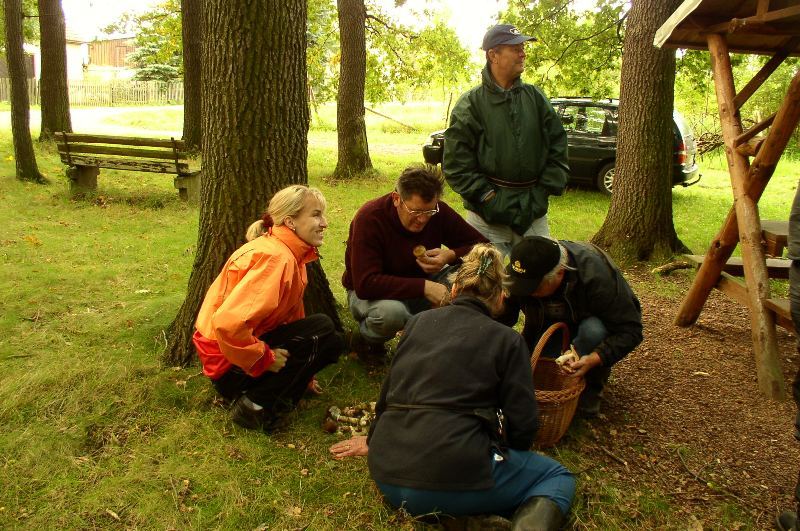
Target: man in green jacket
{"x": 505, "y": 151}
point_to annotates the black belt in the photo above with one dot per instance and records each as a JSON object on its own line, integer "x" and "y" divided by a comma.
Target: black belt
{"x": 511, "y": 184}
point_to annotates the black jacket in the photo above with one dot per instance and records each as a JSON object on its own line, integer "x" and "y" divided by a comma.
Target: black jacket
{"x": 596, "y": 288}
{"x": 455, "y": 357}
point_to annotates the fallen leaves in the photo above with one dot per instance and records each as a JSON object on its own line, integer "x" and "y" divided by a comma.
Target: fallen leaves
{"x": 32, "y": 239}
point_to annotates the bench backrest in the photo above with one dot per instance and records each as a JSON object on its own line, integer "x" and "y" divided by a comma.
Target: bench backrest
{"x": 123, "y": 153}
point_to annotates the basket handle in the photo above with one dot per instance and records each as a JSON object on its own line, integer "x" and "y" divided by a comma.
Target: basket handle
{"x": 537, "y": 351}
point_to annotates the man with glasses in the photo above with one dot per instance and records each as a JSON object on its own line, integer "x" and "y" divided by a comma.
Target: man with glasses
{"x": 400, "y": 248}
{"x": 505, "y": 151}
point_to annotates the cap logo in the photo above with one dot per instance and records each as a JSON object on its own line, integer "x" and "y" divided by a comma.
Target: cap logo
{"x": 513, "y": 31}
{"x": 517, "y": 267}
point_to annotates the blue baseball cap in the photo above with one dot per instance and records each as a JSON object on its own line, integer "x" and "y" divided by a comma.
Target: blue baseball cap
{"x": 503, "y": 34}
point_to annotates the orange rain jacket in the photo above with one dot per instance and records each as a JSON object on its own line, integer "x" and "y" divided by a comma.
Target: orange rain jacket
{"x": 260, "y": 288}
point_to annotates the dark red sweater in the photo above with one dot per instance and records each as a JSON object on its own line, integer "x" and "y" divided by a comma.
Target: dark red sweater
{"x": 379, "y": 258}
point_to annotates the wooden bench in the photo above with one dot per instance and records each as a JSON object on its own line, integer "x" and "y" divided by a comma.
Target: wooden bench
{"x": 776, "y": 235}
{"x": 776, "y": 267}
{"x": 736, "y": 289}
{"x": 86, "y": 154}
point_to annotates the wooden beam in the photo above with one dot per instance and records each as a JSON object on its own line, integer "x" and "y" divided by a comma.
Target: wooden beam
{"x": 762, "y": 7}
{"x": 733, "y": 288}
{"x": 776, "y": 267}
{"x": 753, "y": 131}
{"x": 766, "y": 70}
{"x": 121, "y": 151}
{"x": 152, "y": 166}
{"x": 750, "y": 149}
{"x": 124, "y": 140}
{"x": 782, "y": 311}
{"x": 762, "y": 324}
{"x": 778, "y": 14}
{"x": 759, "y": 21}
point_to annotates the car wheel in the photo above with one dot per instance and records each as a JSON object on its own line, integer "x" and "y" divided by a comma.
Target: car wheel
{"x": 605, "y": 178}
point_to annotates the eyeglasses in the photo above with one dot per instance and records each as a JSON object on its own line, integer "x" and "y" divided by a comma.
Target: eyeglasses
{"x": 418, "y": 213}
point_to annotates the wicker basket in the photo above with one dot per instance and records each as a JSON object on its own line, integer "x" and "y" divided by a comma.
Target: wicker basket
{"x": 557, "y": 392}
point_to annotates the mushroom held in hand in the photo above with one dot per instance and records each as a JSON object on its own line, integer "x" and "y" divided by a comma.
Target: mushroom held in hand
{"x": 568, "y": 356}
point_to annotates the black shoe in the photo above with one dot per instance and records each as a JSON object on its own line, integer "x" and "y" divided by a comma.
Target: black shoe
{"x": 248, "y": 414}
{"x": 537, "y": 514}
{"x": 787, "y": 521}
{"x": 369, "y": 353}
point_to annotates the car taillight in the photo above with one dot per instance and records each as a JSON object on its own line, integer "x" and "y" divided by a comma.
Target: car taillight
{"x": 682, "y": 155}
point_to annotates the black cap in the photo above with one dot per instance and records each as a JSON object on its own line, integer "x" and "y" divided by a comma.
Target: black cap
{"x": 503, "y": 34}
{"x": 531, "y": 259}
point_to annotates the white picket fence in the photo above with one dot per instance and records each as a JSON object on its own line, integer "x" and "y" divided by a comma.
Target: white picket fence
{"x": 108, "y": 93}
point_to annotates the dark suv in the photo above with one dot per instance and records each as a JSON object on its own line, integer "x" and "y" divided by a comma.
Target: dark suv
{"x": 591, "y": 127}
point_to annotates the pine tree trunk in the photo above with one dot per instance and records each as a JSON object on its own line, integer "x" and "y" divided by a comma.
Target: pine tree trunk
{"x": 350, "y": 125}
{"x": 255, "y": 125}
{"x": 192, "y": 30}
{"x": 639, "y": 223}
{"x": 54, "y": 89}
{"x": 20, "y": 120}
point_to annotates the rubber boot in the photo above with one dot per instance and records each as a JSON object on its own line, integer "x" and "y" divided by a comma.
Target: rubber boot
{"x": 537, "y": 514}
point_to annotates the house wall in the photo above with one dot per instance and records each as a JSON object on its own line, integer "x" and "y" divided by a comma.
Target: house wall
{"x": 77, "y": 58}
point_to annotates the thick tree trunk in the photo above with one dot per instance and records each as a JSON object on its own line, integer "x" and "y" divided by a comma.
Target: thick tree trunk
{"x": 20, "y": 119}
{"x": 255, "y": 125}
{"x": 639, "y": 222}
{"x": 350, "y": 126}
{"x": 54, "y": 90}
{"x": 192, "y": 31}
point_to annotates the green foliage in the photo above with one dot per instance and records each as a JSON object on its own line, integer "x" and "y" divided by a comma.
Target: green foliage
{"x": 401, "y": 61}
{"x": 322, "y": 51}
{"x": 159, "y": 48}
{"x": 30, "y": 22}
{"x": 577, "y": 53}
{"x": 695, "y": 97}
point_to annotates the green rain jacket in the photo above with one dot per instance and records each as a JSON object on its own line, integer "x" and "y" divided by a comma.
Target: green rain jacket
{"x": 510, "y": 135}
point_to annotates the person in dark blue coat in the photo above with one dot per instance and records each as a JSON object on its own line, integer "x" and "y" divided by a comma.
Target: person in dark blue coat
{"x": 434, "y": 446}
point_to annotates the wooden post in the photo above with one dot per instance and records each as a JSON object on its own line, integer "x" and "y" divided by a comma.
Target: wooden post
{"x": 82, "y": 179}
{"x": 770, "y": 377}
{"x": 188, "y": 186}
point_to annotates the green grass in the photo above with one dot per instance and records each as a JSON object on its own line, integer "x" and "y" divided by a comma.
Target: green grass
{"x": 96, "y": 435}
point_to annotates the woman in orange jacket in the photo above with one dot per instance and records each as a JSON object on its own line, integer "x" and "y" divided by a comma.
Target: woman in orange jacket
{"x": 255, "y": 343}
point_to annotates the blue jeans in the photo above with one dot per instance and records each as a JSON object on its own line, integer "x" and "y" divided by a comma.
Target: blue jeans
{"x": 521, "y": 476}
{"x": 591, "y": 332}
{"x": 379, "y": 320}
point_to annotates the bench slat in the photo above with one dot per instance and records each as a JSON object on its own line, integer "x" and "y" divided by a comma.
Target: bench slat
{"x": 776, "y": 267}
{"x": 152, "y": 166}
{"x": 124, "y": 140}
{"x": 121, "y": 151}
{"x": 782, "y": 311}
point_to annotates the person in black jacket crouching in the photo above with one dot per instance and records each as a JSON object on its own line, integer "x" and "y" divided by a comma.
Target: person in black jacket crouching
{"x": 575, "y": 283}
{"x": 433, "y": 447}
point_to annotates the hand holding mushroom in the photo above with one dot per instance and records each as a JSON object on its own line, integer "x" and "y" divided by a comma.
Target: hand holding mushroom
{"x": 433, "y": 260}
{"x": 584, "y": 364}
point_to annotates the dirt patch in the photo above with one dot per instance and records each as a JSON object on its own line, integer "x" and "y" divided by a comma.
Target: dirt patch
{"x": 683, "y": 414}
